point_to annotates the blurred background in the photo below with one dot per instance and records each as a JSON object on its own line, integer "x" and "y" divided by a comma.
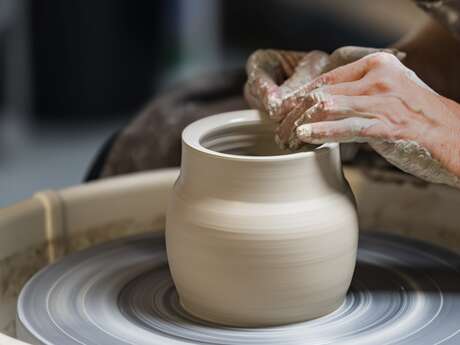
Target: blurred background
{"x": 73, "y": 72}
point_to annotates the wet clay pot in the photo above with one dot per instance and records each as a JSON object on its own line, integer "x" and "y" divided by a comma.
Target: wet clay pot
{"x": 257, "y": 236}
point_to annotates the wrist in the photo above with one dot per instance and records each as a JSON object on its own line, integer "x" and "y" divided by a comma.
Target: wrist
{"x": 448, "y": 142}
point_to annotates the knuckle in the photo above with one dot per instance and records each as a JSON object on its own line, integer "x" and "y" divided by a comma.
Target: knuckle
{"x": 324, "y": 106}
{"x": 362, "y": 132}
{"x": 322, "y": 110}
{"x": 375, "y": 130}
{"x": 325, "y": 79}
{"x": 383, "y": 84}
{"x": 340, "y": 51}
{"x": 355, "y": 126}
{"x": 345, "y": 51}
{"x": 369, "y": 132}
{"x": 397, "y": 133}
{"x": 327, "y": 105}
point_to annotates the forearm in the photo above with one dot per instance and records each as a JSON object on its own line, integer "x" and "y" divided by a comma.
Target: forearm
{"x": 434, "y": 54}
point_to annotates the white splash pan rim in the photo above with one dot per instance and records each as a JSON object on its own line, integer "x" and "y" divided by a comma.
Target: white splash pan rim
{"x": 196, "y": 131}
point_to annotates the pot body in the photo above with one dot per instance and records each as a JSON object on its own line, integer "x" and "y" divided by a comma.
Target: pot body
{"x": 258, "y": 240}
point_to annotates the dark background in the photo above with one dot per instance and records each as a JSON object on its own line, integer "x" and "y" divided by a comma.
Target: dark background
{"x": 72, "y": 72}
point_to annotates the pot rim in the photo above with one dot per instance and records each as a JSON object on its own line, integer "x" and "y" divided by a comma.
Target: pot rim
{"x": 196, "y": 131}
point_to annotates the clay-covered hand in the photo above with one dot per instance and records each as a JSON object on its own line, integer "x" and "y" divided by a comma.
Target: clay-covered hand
{"x": 277, "y": 79}
{"x": 378, "y": 100}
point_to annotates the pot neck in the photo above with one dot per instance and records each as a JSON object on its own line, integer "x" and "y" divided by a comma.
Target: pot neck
{"x": 305, "y": 175}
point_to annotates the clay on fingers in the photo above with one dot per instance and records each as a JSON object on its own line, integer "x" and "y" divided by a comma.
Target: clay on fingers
{"x": 280, "y": 83}
{"x": 275, "y": 76}
{"x": 266, "y": 70}
{"x": 343, "y": 78}
{"x": 400, "y": 117}
{"x": 346, "y": 130}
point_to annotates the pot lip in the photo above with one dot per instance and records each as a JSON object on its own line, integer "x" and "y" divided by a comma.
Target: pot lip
{"x": 194, "y": 132}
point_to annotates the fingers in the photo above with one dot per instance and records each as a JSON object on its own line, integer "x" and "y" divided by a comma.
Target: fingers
{"x": 367, "y": 85}
{"x": 318, "y": 106}
{"x": 348, "y": 54}
{"x": 366, "y": 76}
{"x": 341, "y": 80}
{"x": 266, "y": 70}
{"x": 285, "y": 134}
{"x": 275, "y": 65}
{"x": 342, "y": 74}
{"x": 332, "y": 108}
{"x": 274, "y": 75}
{"x": 353, "y": 129}
{"x": 253, "y": 101}
{"x": 288, "y": 60}
{"x": 259, "y": 90}
{"x": 308, "y": 68}
{"x": 279, "y": 81}
{"x": 356, "y": 70}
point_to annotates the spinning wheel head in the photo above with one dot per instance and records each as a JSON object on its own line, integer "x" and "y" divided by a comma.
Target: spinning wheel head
{"x": 403, "y": 292}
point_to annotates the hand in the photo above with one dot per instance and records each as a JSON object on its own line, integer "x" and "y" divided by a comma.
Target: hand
{"x": 277, "y": 79}
{"x": 274, "y": 75}
{"x": 378, "y": 100}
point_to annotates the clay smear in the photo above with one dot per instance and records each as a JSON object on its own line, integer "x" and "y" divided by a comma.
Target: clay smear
{"x": 411, "y": 157}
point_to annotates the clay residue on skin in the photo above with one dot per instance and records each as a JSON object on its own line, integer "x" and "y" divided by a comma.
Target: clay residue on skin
{"x": 408, "y": 155}
{"x": 275, "y": 77}
{"x": 311, "y": 66}
{"x": 349, "y": 125}
{"x": 280, "y": 82}
{"x": 413, "y": 158}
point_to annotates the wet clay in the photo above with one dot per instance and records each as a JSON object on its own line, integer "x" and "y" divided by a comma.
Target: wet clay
{"x": 255, "y": 239}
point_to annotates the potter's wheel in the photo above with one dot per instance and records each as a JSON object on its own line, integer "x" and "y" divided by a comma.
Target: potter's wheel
{"x": 404, "y": 292}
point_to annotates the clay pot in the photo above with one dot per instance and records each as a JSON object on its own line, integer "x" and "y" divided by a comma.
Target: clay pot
{"x": 257, "y": 236}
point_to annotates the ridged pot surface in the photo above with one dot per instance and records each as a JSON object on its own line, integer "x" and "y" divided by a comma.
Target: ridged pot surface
{"x": 255, "y": 236}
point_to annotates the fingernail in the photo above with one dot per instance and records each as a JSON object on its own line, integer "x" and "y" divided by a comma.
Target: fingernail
{"x": 304, "y": 131}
